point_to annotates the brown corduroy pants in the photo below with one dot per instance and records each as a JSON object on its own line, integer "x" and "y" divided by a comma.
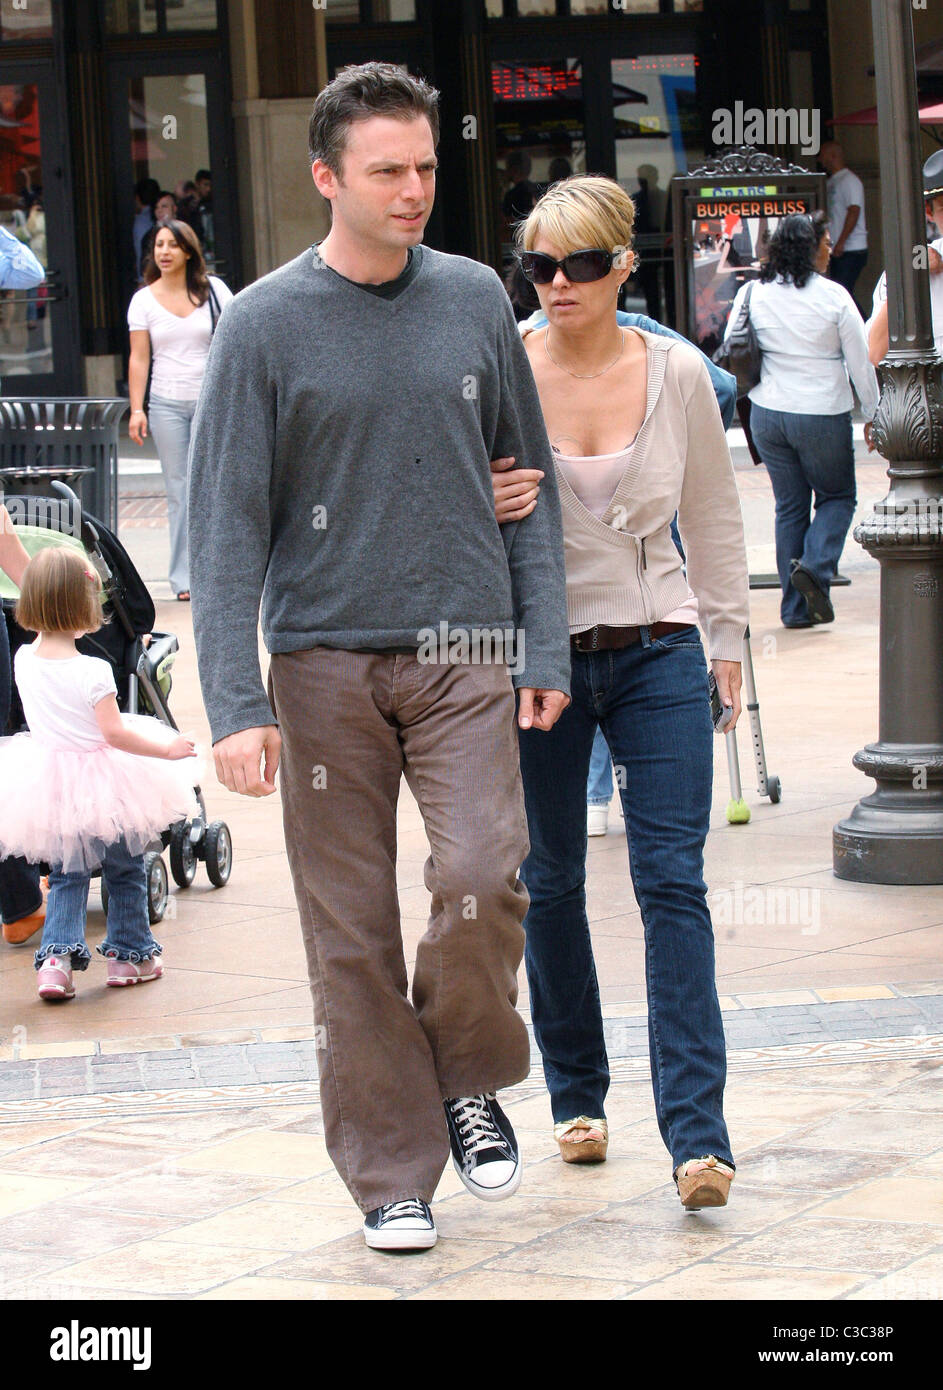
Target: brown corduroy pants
{"x": 352, "y": 723}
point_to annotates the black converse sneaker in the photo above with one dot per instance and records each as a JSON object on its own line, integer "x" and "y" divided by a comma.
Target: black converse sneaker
{"x": 484, "y": 1149}
{"x": 406, "y": 1225}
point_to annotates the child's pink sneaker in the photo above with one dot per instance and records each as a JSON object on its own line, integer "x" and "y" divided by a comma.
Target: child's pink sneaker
{"x": 131, "y": 972}
{"x": 54, "y": 978}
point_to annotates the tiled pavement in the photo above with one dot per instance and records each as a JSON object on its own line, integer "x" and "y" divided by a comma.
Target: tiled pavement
{"x": 225, "y": 1191}
{"x": 182, "y": 1121}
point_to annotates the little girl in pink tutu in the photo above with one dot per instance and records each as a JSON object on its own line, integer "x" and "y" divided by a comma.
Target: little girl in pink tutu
{"x": 87, "y": 786}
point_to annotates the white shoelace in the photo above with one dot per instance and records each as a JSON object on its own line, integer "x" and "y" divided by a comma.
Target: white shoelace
{"x": 408, "y": 1207}
{"x": 475, "y": 1125}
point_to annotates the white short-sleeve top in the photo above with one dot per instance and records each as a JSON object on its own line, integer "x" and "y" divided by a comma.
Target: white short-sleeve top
{"x": 59, "y": 697}
{"x": 179, "y": 346}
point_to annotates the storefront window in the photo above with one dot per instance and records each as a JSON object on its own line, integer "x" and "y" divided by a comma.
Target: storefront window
{"x": 343, "y": 12}
{"x": 183, "y": 15}
{"x": 31, "y": 21}
{"x": 159, "y": 16}
{"x": 658, "y": 132}
{"x": 25, "y": 330}
{"x": 394, "y": 11}
{"x": 539, "y": 134}
{"x": 536, "y": 7}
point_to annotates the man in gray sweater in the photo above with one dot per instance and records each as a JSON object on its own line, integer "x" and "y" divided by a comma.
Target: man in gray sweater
{"x": 340, "y": 472}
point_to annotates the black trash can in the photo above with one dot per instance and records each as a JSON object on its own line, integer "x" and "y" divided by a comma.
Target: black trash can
{"x": 74, "y": 440}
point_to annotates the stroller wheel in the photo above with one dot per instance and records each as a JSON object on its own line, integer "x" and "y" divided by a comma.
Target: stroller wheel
{"x": 158, "y": 888}
{"x": 217, "y": 851}
{"x": 182, "y": 855}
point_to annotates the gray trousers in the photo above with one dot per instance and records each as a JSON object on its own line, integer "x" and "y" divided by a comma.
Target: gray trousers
{"x": 352, "y": 723}
{"x": 169, "y": 423}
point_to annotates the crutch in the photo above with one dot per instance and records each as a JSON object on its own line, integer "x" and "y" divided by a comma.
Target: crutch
{"x": 738, "y": 812}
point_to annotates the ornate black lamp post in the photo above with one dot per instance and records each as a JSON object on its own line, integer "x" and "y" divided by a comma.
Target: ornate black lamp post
{"x": 895, "y": 835}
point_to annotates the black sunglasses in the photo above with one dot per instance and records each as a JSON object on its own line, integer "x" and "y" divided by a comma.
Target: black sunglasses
{"x": 579, "y": 266}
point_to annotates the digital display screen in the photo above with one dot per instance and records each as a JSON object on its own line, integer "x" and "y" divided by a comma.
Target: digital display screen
{"x": 536, "y": 82}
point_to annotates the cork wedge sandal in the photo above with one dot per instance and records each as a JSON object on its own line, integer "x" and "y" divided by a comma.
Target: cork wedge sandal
{"x": 582, "y": 1140}
{"x": 703, "y": 1182}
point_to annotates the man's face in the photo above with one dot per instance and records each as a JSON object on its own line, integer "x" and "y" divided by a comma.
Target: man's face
{"x": 204, "y": 187}
{"x": 935, "y": 211}
{"x": 829, "y": 157}
{"x": 385, "y": 194}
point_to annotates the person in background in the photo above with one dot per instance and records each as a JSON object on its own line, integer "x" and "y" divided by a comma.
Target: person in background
{"x": 812, "y": 339}
{"x": 516, "y": 491}
{"x": 21, "y": 894}
{"x": 165, "y": 210}
{"x": 146, "y": 193}
{"x": 523, "y": 192}
{"x": 171, "y": 323}
{"x": 188, "y": 205}
{"x": 876, "y": 327}
{"x": 204, "y": 188}
{"x": 846, "y": 219}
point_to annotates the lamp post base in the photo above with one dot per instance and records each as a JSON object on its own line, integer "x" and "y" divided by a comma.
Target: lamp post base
{"x": 880, "y": 842}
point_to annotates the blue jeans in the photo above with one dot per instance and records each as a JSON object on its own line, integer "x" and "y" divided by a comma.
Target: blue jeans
{"x": 170, "y": 422}
{"x": 599, "y": 787}
{"x": 809, "y": 458}
{"x": 651, "y": 702}
{"x": 128, "y": 936}
{"x": 20, "y": 893}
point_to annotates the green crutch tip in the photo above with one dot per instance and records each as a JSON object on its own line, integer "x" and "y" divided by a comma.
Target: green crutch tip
{"x": 738, "y": 812}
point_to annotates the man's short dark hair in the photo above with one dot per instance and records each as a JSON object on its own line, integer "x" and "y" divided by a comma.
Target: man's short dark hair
{"x": 203, "y": 174}
{"x": 359, "y": 92}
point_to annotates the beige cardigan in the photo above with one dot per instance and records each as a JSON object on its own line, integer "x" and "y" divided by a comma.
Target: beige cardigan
{"x": 624, "y": 570}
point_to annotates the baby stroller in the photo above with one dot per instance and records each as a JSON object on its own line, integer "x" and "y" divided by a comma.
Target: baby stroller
{"x": 142, "y": 673}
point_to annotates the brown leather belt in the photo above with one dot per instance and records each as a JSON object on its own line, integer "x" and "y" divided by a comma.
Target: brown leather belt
{"x": 607, "y": 639}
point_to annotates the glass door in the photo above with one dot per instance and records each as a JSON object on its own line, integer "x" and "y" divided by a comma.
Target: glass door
{"x": 171, "y": 139}
{"x": 38, "y": 334}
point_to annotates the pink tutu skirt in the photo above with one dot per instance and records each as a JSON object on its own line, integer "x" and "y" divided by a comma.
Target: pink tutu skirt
{"x": 64, "y": 807}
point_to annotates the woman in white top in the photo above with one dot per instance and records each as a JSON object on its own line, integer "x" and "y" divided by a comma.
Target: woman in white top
{"x": 171, "y": 321}
{"x": 812, "y": 339}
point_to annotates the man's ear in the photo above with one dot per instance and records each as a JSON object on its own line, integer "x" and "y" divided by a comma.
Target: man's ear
{"x": 325, "y": 180}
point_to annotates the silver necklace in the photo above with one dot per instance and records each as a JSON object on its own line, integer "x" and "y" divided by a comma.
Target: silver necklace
{"x": 583, "y": 376}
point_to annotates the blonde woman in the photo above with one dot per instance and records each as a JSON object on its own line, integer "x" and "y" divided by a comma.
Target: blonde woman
{"x": 637, "y": 436}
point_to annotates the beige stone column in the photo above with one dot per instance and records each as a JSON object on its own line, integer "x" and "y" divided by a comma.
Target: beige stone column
{"x": 280, "y": 210}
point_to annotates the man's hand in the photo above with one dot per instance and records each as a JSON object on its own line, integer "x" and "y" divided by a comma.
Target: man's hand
{"x": 728, "y": 676}
{"x": 540, "y": 709}
{"x": 239, "y": 756}
{"x": 869, "y": 436}
{"x": 935, "y": 261}
{"x": 515, "y": 489}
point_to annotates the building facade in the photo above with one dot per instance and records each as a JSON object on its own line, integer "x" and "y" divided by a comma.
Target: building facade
{"x": 99, "y": 96}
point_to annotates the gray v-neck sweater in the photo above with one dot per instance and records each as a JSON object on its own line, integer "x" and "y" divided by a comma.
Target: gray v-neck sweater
{"x": 339, "y": 472}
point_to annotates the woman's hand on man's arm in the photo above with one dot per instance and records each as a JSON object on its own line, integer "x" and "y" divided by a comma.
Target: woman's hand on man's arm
{"x": 515, "y": 489}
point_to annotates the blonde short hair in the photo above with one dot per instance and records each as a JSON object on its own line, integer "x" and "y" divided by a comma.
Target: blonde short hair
{"x": 585, "y": 210}
{"x": 60, "y": 593}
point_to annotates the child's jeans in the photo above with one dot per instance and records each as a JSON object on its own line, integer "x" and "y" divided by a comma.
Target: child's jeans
{"x": 128, "y": 936}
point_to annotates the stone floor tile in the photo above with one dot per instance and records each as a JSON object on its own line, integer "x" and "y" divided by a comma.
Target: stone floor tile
{"x": 21, "y": 1191}
{"x": 324, "y": 1190}
{"x": 831, "y": 993}
{"x": 496, "y": 1283}
{"x": 618, "y": 1250}
{"x": 880, "y": 1131}
{"x": 168, "y": 1267}
{"x": 615, "y": 1180}
{"x": 87, "y": 1230}
{"x": 264, "y": 1153}
{"x": 525, "y": 1218}
{"x": 21, "y": 1136}
{"x": 786, "y": 1106}
{"x": 821, "y": 1171}
{"x": 181, "y": 1194}
{"x": 922, "y": 1279}
{"x": 264, "y": 1225}
{"x": 348, "y": 1261}
{"x": 717, "y": 1279}
{"x": 821, "y": 1243}
{"x": 898, "y": 1198}
{"x": 90, "y": 1152}
{"x": 258, "y": 1288}
{"x": 749, "y": 1211}
{"x": 19, "y": 1266}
